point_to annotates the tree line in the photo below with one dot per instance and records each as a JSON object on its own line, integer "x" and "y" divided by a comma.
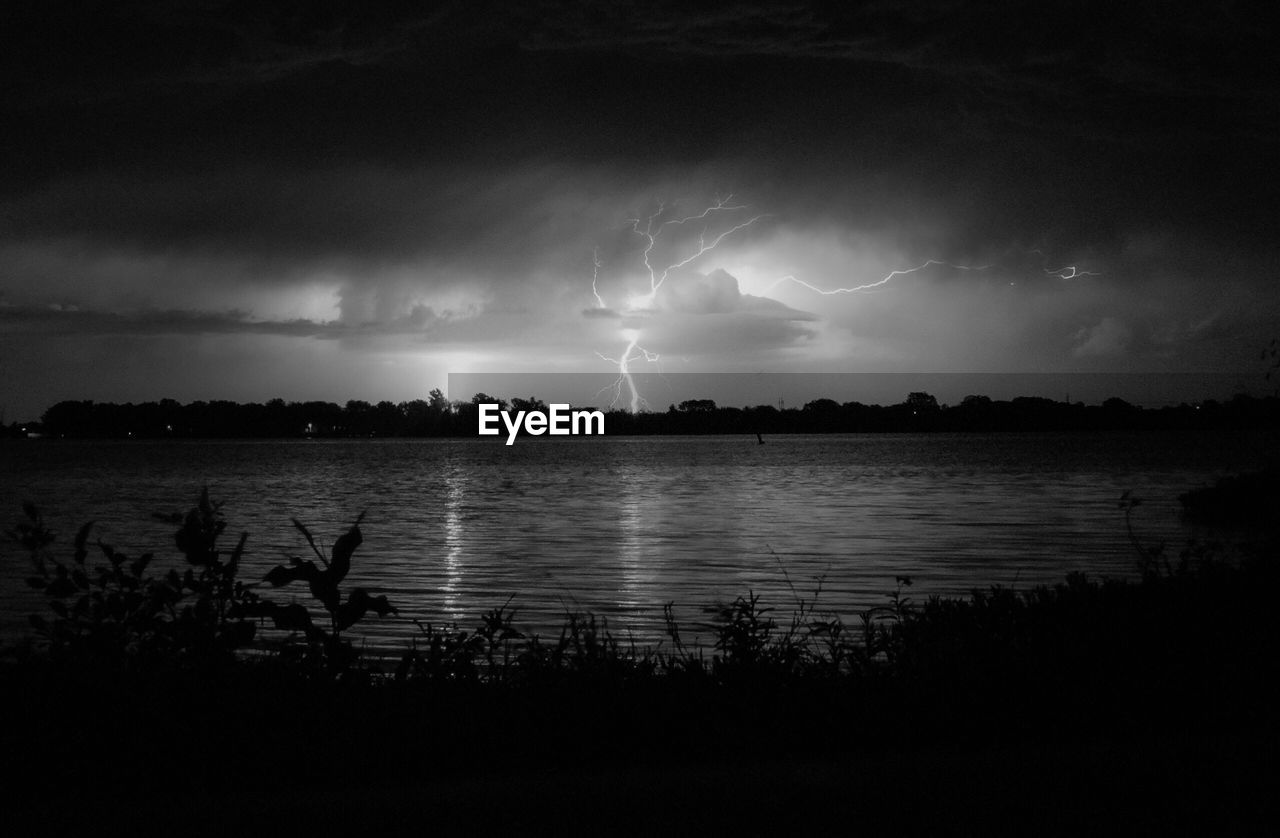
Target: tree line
{"x": 438, "y": 416}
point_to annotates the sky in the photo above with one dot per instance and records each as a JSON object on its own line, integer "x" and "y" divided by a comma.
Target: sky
{"x": 218, "y": 199}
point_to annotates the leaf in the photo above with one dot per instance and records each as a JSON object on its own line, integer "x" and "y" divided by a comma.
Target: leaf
{"x": 81, "y": 538}
{"x": 141, "y": 564}
{"x": 192, "y": 540}
{"x": 291, "y": 617}
{"x": 29, "y": 509}
{"x": 381, "y": 607}
{"x": 342, "y": 550}
{"x": 322, "y": 588}
{"x": 38, "y": 623}
{"x": 307, "y": 534}
{"x": 37, "y": 582}
{"x": 358, "y": 604}
{"x": 234, "y": 561}
{"x": 284, "y": 574}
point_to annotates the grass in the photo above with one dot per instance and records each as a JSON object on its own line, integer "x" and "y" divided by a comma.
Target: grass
{"x": 1181, "y": 658}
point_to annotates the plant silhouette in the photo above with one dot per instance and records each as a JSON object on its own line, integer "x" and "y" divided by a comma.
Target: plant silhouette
{"x": 115, "y": 615}
{"x": 323, "y": 581}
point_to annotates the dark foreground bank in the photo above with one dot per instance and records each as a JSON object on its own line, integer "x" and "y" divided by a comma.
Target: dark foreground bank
{"x": 1145, "y": 702}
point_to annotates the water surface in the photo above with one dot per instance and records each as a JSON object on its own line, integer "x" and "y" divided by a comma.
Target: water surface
{"x": 622, "y": 525}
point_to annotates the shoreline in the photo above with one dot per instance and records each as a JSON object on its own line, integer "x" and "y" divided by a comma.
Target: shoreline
{"x": 1151, "y": 699}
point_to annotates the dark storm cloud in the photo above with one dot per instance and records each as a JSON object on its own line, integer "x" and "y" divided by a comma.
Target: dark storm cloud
{"x": 728, "y": 338}
{"x": 1146, "y": 47}
{"x": 1079, "y": 118}
{"x": 81, "y": 51}
{"x": 695, "y": 313}
{"x": 718, "y": 292}
{"x": 1121, "y": 72}
{"x": 356, "y": 175}
{"x": 355, "y": 210}
{"x": 1055, "y": 51}
{"x": 379, "y": 240}
{"x": 55, "y": 320}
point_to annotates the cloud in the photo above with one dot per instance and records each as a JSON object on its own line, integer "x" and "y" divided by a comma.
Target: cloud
{"x": 717, "y": 292}
{"x": 219, "y": 43}
{"x": 424, "y": 180}
{"x": 1171, "y": 52}
{"x": 59, "y": 320}
{"x": 1109, "y": 336}
{"x": 712, "y": 341}
{"x": 1043, "y": 46}
{"x": 56, "y": 319}
{"x": 706, "y": 318}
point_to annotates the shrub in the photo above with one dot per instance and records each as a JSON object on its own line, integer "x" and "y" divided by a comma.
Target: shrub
{"x": 112, "y": 613}
{"x": 326, "y": 647}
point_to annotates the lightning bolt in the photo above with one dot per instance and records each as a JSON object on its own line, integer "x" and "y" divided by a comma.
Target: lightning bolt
{"x": 871, "y": 286}
{"x": 658, "y": 276}
{"x": 651, "y": 228}
{"x": 1065, "y": 272}
{"x": 633, "y": 352}
{"x": 595, "y": 275}
{"x": 1069, "y": 272}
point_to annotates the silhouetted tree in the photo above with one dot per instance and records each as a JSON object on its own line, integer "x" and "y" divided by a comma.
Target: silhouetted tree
{"x": 921, "y": 401}
{"x": 920, "y": 412}
{"x": 530, "y": 403}
{"x": 485, "y": 398}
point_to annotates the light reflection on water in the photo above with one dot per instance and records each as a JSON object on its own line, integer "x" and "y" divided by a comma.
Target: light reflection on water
{"x": 622, "y": 525}
{"x": 454, "y": 535}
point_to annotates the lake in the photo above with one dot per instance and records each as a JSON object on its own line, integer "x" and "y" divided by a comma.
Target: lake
{"x": 622, "y": 525}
